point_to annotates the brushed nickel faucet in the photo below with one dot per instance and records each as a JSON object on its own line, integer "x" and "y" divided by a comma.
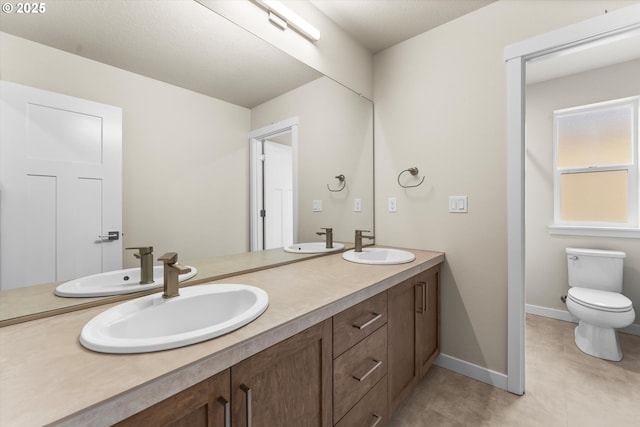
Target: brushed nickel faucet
{"x": 145, "y": 255}
{"x": 359, "y": 238}
{"x": 329, "y": 233}
{"x": 171, "y": 272}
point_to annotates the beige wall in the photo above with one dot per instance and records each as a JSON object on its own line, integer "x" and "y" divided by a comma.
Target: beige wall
{"x": 335, "y": 136}
{"x": 185, "y": 167}
{"x": 441, "y": 106}
{"x": 544, "y": 286}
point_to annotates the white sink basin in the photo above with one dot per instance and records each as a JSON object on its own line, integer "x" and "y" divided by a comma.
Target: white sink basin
{"x": 379, "y": 256}
{"x": 117, "y": 282}
{"x": 153, "y": 323}
{"x": 313, "y": 248}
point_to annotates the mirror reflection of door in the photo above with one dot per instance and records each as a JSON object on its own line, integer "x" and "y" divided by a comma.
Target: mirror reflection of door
{"x": 273, "y": 213}
{"x": 60, "y": 173}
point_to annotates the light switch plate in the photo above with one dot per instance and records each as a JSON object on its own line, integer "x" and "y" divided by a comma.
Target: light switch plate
{"x": 458, "y": 204}
{"x": 317, "y": 205}
{"x": 357, "y": 205}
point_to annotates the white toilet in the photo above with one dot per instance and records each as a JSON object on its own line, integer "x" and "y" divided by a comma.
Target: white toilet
{"x": 595, "y": 299}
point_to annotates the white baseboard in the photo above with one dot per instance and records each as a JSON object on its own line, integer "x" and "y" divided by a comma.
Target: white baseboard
{"x": 471, "y": 370}
{"x": 553, "y": 313}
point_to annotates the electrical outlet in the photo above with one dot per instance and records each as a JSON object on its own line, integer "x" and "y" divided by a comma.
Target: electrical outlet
{"x": 357, "y": 205}
{"x": 392, "y": 204}
{"x": 317, "y": 205}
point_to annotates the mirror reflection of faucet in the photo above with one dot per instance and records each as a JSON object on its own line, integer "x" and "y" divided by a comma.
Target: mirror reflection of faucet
{"x": 328, "y": 232}
{"x": 359, "y": 237}
{"x": 145, "y": 255}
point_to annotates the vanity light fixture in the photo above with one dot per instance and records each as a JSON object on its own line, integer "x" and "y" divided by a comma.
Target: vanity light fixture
{"x": 283, "y": 17}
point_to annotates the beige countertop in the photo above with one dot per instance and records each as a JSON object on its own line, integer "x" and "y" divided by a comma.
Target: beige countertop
{"x": 46, "y": 376}
{"x": 37, "y": 301}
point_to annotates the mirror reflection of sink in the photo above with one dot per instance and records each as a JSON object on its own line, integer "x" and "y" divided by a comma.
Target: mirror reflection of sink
{"x": 313, "y": 248}
{"x": 117, "y": 282}
{"x": 153, "y": 323}
{"x": 379, "y": 256}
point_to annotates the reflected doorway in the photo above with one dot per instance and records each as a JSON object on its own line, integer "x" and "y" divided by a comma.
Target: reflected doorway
{"x": 273, "y": 204}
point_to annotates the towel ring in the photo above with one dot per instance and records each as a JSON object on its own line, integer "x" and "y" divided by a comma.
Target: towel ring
{"x": 413, "y": 171}
{"x": 342, "y": 181}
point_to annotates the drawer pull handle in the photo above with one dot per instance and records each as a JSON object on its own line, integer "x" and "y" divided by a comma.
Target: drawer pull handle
{"x": 370, "y": 371}
{"x": 368, "y": 322}
{"x": 247, "y": 391}
{"x": 425, "y": 301}
{"x": 227, "y": 413}
{"x": 377, "y": 421}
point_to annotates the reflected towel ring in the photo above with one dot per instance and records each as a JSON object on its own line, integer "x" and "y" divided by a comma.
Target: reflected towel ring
{"x": 342, "y": 181}
{"x": 413, "y": 171}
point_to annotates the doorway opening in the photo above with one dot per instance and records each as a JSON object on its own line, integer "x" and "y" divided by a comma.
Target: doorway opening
{"x": 596, "y": 30}
{"x": 273, "y": 180}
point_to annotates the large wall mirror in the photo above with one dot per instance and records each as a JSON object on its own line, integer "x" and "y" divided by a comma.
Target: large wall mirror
{"x": 192, "y": 86}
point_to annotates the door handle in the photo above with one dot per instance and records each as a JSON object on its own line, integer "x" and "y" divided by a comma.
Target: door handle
{"x": 111, "y": 236}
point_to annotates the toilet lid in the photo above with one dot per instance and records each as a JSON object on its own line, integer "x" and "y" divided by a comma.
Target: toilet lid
{"x": 600, "y": 300}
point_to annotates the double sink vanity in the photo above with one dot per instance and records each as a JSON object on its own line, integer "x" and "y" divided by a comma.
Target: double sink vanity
{"x": 341, "y": 343}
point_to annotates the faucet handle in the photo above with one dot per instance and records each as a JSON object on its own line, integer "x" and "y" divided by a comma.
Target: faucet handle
{"x": 144, "y": 250}
{"x": 169, "y": 258}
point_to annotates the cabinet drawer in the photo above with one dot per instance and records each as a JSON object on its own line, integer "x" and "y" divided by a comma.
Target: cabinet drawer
{"x": 357, "y": 370}
{"x": 371, "y": 410}
{"x": 357, "y": 322}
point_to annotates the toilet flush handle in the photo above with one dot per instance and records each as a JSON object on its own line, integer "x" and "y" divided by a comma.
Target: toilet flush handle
{"x": 573, "y": 258}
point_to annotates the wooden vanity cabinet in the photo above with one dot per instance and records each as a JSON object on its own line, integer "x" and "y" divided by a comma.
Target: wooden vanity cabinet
{"x": 360, "y": 364}
{"x": 205, "y": 404}
{"x": 288, "y": 384}
{"x": 413, "y": 327}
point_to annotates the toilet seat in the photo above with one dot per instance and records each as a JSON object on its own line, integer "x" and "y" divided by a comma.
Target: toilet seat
{"x": 600, "y": 300}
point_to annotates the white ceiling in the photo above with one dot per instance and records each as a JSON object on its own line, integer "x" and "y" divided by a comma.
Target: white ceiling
{"x": 185, "y": 44}
{"x": 178, "y": 42}
{"x": 378, "y": 24}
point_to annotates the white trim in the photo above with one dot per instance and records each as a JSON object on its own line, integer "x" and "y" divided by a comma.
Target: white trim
{"x": 577, "y": 230}
{"x": 515, "y": 221}
{"x": 472, "y": 370}
{"x": 516, "y": 55}
{"x": 633, "y": 329}
{"x": 550, "y": 312}
{"x": 602, "y": 26}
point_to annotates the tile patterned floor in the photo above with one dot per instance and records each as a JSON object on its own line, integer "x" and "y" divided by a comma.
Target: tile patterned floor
{"x": 564, "y": 387}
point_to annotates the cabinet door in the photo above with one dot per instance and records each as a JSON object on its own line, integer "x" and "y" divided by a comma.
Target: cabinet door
{"x": 427, "y": 319}
{"x": 204, "y": 404}
{"x": 288, "y": 384}
{"x": 401, "y": 324}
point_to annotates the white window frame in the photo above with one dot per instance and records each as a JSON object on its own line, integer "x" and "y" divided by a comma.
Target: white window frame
{"x": 597, "y": 228}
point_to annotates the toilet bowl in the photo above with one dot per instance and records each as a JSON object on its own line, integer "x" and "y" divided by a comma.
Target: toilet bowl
{"x": 595, "y": 299}
{"x": 599, "y": 313}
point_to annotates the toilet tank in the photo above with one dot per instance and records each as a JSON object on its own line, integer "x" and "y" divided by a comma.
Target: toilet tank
{"x": 595, "y": 269}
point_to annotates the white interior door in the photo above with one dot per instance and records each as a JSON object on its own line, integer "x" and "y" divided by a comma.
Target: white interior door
{"x": 273, "y": 189}
{"x": 278, "y": 195}
{"x": 60, "y": 186}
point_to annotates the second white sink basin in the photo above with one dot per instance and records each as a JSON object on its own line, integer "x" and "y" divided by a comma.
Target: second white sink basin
{"x": 379, "y": 256}
{"x": 313, "y": 248}
{"x": 153, "y": 323}
{"x": 117, "y": 282}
